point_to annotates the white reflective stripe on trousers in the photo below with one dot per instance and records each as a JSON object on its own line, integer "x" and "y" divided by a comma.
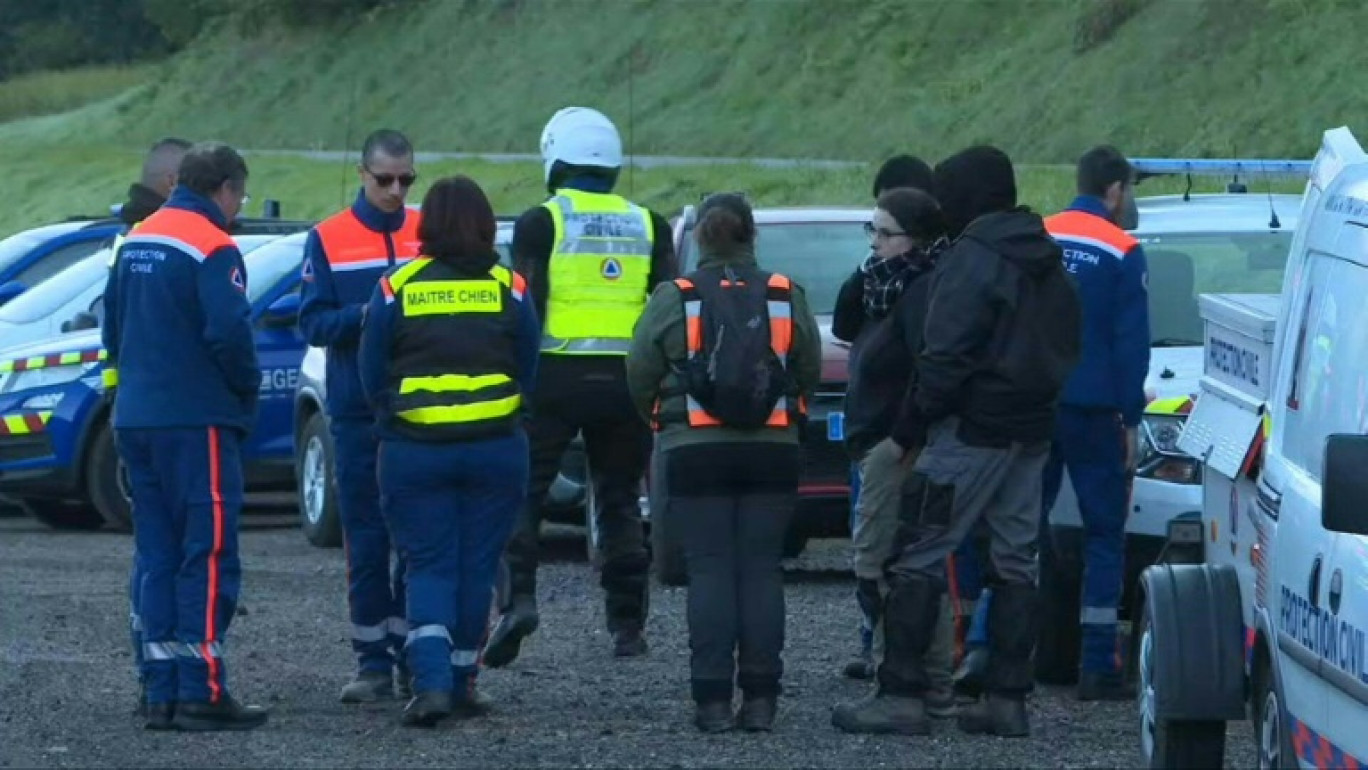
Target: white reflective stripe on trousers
{"x": 428, "y": 631}
{"x": 1097, "y": 616}
{"x": 465, "y": 658}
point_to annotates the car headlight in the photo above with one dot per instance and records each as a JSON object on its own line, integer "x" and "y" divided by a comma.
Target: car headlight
{"x": 1158, "y": 454}
{"x": 46, "y": 377}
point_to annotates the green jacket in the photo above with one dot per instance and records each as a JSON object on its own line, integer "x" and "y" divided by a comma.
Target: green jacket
{"x": 659, "y": 340}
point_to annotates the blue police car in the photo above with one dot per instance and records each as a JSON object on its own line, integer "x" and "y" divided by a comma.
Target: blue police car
{"x": 57, "y": 457}
{"x": 32, "y": 256}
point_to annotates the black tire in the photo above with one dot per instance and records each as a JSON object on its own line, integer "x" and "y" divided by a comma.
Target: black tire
{"x": 105, "y": 481}
{"x": 1272, "y": 736}
{"x": 1169, "y": 743}
{"x": 315, "y": 484}
{"x": 65, "y": 516}
{"x": 1059, "y": 635}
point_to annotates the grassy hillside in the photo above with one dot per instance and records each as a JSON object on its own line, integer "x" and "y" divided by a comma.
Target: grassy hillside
{"x": 853, "y": 79}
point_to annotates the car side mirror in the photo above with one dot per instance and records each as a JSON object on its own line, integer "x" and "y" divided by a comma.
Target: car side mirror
{"x": 283, "y": 312}
{"x": 82, "y": 320}
{"x": 1344, "y": 488}
{"x": 9, "y": 291}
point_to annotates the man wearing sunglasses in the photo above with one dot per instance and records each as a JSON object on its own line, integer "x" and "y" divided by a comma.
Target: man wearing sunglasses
{"x": 344, "y": 257}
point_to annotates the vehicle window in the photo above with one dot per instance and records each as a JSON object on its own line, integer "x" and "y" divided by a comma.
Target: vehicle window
{"x": 818, "y": 256}
{"x": 49, "y": 296}
{"x": 1183, "y": 266}
{"x": 1330, "y": 383}
{"x": 15, "y": 247}
{"x": 55, "y": 262}
{"x": 269, "y": 263}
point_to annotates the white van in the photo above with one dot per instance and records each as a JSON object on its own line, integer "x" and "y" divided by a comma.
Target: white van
{"x": 1260, "y": 607}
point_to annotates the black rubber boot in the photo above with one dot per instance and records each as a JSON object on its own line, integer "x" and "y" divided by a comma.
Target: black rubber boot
{"x": 1007, "y": 677}
{"x": 757, "y": 713}
{"x": 628, "y": 642}
{"x": 159, "y": 716}
{"x": 1001, "y": 715}
{"x": 626, "y": 603}
{"x": 516, "y": 624}
{"x": 714, "y": 716}
{"x": 969, "y": 676}
{"x": 910, "y": 613}
{"x": 227, "y": 714}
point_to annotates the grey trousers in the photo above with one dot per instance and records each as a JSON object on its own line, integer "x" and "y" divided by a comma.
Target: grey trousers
{"x": 883, "y": 479}
{"x": 954, "y": 486}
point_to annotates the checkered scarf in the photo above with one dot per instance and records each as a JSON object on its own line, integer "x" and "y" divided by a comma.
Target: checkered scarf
{"x": 884, "y": 279}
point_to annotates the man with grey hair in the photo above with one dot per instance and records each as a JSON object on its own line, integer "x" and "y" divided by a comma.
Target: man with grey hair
{"x": 177, "y": 324}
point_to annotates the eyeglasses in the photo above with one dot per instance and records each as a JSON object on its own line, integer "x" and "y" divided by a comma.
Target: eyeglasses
{"x": 872, "y": 231}
{"x": 385, "y": 180}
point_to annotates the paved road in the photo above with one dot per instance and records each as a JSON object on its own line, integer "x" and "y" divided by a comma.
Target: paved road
{"x": 68, "y": 689}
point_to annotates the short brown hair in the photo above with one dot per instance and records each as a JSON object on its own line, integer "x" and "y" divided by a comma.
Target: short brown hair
{"x": 457, "y": 219}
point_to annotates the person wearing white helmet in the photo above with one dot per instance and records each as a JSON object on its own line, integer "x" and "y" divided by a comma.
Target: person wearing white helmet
{"x": 591, "y": 259}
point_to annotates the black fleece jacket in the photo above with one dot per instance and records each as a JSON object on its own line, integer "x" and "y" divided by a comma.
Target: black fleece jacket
{"x": 882, "y": 356}
{"x": 1003, "y": 332}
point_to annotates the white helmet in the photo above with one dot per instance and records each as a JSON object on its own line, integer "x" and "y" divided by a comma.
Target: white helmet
{"x": 580, "y": 136}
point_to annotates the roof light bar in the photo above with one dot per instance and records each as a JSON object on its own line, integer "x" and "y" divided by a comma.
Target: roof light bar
{"x": 1216, "y": 167}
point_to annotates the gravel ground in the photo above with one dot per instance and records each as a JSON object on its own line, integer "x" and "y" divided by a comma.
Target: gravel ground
{"x": 66, "y": 685}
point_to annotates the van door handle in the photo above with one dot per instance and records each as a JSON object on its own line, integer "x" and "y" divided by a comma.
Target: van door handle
{"x": 1336, "y": 591}
{"x": 1313, "y": 590}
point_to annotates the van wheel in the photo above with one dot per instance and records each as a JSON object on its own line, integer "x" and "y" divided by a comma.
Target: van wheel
{"x": 1170, "y": 743}
{"x": 106, "y": 482}
{"x": 65, "y": 516}
{"x": 317, "y": 490}
{"x": 1276, "y": 751}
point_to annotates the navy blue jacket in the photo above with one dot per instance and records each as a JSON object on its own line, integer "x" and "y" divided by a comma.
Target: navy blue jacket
{"x": 178, "y": 324}
{"x": 1109, "y": 267}
{"x": 377, "y": 343}
{"x": 331, "y": 303}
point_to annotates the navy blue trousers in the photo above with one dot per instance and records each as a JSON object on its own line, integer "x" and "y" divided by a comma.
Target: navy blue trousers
{"x": 1092, "y": 445}
{"x": 187, "y": 495}
{"x": 375, "y": 585}
{"x": 451, "y": 508}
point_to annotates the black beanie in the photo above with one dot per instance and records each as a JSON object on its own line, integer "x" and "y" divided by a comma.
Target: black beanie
{"x": 972, "y": 183}
{"x": 902, "y": 171}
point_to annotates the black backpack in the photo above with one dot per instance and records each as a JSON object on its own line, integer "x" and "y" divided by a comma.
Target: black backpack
{"x": 736, "y": 378}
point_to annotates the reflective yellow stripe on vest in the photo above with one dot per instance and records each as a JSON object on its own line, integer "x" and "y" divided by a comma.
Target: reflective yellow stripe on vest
{"x": 109, "y": 377}
{"x": 478, "y": 389}
{"x": 599, "y": 270}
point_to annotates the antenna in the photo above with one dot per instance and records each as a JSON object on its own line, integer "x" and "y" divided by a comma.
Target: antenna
{"x": 631, "y": 124}
{"x": 1273, "y": 222}
{"x": 1187, "y": 194}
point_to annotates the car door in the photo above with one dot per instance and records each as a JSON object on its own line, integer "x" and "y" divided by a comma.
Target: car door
{"x": 1346, "y": 669}
{"x": 280, "y": 350}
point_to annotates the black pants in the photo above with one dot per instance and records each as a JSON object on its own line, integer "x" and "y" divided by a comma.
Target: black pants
{"x": 588, "y": 394}
{"x": 733, "y": 503}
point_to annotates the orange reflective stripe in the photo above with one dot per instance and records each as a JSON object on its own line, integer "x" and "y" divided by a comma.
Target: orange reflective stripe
{"x": 349, "y": 245}
{"x": 183, "y": 230}
{"x": 1092, "y": 230}
{"x": 519, "y": 285}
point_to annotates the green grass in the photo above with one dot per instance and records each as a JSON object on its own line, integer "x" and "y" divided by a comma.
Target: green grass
{"x": 50, "y": 93}
{"x": 852, "y": 79}
{"x": 41, "y": 184}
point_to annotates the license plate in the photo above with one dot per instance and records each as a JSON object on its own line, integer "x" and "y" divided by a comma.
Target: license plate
{"x": 836, "y": 426}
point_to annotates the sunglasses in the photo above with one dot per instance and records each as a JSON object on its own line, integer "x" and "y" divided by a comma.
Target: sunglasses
{"x": 385, "y": 180}
{"x": 871, "y": 231}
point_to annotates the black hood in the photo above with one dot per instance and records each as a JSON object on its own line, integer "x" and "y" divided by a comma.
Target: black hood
{"x": 1019, "y": 236}
{"x": 972, "y": 183}
{"x": 473, "y": 263}
{"x": 142, "y": 201}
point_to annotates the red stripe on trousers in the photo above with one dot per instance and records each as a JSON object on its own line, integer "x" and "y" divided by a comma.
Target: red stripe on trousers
{"x": 215, "y": 494}
{"x": 956, "y": 616}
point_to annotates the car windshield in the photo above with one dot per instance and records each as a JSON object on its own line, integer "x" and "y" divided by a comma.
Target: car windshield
{"x": 15, "y": 247}
{"x": 819, "y": 256}
{"x": 52, "y": 294}
{"x": 269, "y": 258}
{"x": 1183, "y": 266}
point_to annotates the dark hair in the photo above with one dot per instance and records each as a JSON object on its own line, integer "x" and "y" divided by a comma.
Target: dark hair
{"x": 724, "y": 220}
{"x": 207, "y": 165}
{"x": 1100, "y": 168}
{"x": 902, "y": 171}
{"x": 388, "y": 141}
{"x": 915, "y": 211}
{"x": 457, "y": 220}
{"x": 972, "y": 183}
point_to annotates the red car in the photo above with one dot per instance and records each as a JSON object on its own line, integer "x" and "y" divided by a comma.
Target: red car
{"x": 818, "y": 248}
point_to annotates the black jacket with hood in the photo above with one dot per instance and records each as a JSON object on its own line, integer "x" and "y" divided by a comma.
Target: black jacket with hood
{"x": 1003, "y": 332}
